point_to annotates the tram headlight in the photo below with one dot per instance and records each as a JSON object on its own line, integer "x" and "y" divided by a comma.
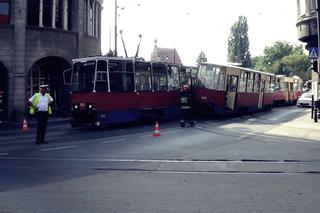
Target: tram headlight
{"x": 91, "y": 107}
{"x": 76, "y": 106}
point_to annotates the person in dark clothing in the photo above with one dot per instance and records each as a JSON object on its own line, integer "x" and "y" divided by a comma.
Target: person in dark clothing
{"x": 40, "y": 105}
{"x": 186, "y": 106}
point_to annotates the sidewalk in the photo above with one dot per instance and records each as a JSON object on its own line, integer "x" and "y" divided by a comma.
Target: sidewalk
{"x": 302, "y": 127}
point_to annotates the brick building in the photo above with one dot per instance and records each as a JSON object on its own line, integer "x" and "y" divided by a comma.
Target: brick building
{"x": 166, "y": 55}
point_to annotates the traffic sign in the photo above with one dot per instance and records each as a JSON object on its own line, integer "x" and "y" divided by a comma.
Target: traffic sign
{"x": 313, "y": 53}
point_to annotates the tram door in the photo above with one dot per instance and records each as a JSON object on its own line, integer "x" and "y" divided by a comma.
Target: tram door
{"x": 291, "y": 92}
{"x": 261, "y": 94}
{"x": 1, "y": 106}
{"x": 232, "y": 87}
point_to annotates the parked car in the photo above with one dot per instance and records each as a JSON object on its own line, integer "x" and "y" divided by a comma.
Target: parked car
{"x": 305, "y": 100}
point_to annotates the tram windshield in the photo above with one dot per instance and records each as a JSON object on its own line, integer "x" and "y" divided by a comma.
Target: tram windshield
{"x": 211, "y": 77}
{"x": 83, "y": 76}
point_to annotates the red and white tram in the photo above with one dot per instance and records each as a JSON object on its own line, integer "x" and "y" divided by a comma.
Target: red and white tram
{"x": 287, "y": 90}
{"x": 226, "y": 89}
{"x": 107, "y": 90}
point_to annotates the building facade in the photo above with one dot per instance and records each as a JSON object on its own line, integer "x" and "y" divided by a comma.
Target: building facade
{"x": 307, "y": 32}
{"x": 307, "y": 22}
{"x": 38, "y": 40}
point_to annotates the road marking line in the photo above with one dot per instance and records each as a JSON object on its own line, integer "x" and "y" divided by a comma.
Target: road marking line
{"x": 159, "y": 160}
{"x": 247, "y": 134}
{"x": 57, "y": 148}
{"x": 144, "y": 136}
{"x": 111, "y": 141}
{"x": 3, "y": 154}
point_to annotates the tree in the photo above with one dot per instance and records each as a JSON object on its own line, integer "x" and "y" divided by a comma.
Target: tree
{"x": 201, "y": 58}
{"x": 238, "y": 43}
{"x": 283, "y": 58}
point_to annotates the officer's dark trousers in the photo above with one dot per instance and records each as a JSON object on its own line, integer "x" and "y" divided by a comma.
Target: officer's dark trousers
{"x": 42, "y": 118}
{"x": 186, "y": 115}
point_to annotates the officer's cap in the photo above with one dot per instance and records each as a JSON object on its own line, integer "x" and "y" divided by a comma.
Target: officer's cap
{"x": 44, "y": 86}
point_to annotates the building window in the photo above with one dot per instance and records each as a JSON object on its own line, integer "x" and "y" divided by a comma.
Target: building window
{"x": 91, "y": 18}
{"x": 47, "y": 13}
{"x": 70, "y": 15}
{"x": 4, "y": 11}
{"x": 59, "y": 8}
{"x": 33, "y": 13}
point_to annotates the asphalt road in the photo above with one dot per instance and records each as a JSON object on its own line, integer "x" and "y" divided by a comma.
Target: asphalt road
{"x": 239, "y": 164}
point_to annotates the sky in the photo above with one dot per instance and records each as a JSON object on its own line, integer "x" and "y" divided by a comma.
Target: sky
{"x": 191, "y": 26}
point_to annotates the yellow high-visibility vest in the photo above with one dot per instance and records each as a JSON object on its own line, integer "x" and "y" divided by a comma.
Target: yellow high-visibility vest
{"x": 35, "y": 102}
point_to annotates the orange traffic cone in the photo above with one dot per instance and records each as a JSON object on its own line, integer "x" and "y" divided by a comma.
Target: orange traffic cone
{"x": 156, "y": 130}
{"x": 25, "y": 126}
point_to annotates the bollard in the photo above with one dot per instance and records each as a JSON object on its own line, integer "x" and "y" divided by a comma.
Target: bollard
{"x": 312, "y": 106}
{"x": 316, "y": 108}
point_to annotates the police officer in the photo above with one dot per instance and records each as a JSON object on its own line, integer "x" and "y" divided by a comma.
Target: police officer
{"x": 186, "y": 106}
{"x": 40, "y": 105}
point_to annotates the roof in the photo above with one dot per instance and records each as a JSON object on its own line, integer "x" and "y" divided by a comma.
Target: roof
{"x": 167, "y": 55}
{"x": 242, "y": 68}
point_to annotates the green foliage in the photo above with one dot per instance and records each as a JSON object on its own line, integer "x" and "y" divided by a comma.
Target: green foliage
{"x": 283, "y": 58}
{"x": 201, "y": 58}
{"x": 238, "y": 43}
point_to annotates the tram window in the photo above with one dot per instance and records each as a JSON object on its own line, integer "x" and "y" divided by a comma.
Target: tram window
{"x": 272, "y": 85}
{"x": 296, "y": 85}
{"x": 173, "y": 78}
{"x": 222, "y": 76}
{"x": 205, "y": 76}
{"x": 159, "y": 82}
{"x": 121, "y": 80}
{"x": 159, "y": 77}
{"x": 185, "y": 76}
{"x": 101, "y": 79}
{"x": 129, "y": 66}
{"x": 291, "y": 86}
{"x": 257, "y": 82}
{"x": 250, "y": 82}
{"x": 267, "y": 84}
{"x": 143, "y": 76}
{"x": 143, "y": 82}
{"x": 83, "y": 76}
{"x": 243, "y": 81}
{"x": 233, "y": 84}
{"x": 216, "y": 78}
{"x": 286, "y": 86}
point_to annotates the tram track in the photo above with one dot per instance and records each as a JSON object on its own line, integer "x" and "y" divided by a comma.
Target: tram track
{"x": 254, "y": 166}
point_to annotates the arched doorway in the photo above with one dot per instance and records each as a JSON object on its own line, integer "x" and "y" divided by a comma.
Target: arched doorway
{"x": 49, "y": 70}
{"x": 3, "y": 92}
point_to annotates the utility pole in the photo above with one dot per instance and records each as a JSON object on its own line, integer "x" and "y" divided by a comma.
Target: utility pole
{"x": 115, "y": 27}
{"x": 315, "y": 77}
